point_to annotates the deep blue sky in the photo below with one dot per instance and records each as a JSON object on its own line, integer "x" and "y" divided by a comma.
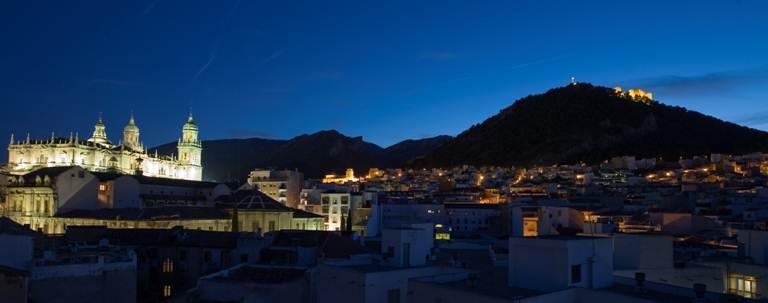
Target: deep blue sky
{"x": 386, "y": 71}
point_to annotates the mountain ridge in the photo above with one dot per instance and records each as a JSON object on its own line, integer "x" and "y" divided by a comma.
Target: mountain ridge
{"x": 313, "y": 154}
{"x": 570, "y": 124}
{"x": 589, "y": 123}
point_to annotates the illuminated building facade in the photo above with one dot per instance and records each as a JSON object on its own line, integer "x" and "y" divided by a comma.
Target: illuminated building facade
{"x": 349, "y": 176}
{"x": 335, "y": 207}
{"x": 99, "y": 154}
{"x": 281, "y": 185}
{"x": 52, "y": 199}
{"x": 635, "y": 94}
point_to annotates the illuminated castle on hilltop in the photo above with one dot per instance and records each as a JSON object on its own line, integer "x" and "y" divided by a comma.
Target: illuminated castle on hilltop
{"x": 99, "y": 154}
{"x": 638, "y": 95}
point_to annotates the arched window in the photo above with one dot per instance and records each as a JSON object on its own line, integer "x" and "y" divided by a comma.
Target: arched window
{"x": 113, "y": 162}
{"x": 167, "y": 265}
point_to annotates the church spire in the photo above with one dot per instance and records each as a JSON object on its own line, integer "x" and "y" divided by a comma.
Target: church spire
{"x": 131, "y": 135}
{"x": 11, "y": 138}
{"x": 100, "y": 132}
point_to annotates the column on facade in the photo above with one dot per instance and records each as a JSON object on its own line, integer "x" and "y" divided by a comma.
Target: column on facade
{"x": 51, "y": 206}
{"x": 28, "y": 200}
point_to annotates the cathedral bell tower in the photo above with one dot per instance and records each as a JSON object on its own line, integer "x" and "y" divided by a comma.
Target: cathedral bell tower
{"x": 100, "y": 133}
{"x": 189, "y": 147}
{"x": 131, "y": 136}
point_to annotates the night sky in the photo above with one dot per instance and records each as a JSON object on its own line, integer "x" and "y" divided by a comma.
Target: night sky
{"x": 387, "y": 71}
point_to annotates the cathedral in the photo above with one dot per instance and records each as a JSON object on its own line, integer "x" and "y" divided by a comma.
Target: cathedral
{"x": 99, "y": 154}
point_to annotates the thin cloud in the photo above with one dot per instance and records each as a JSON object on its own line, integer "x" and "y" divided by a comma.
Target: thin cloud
{"x": 755, "y": 119}
{"x": 276, "y": 54}
{"x": 151, "y": 6}
{"x": 211, "y": 57}
{"x": 215, "y": 45}
{"x": 719, "y": 82}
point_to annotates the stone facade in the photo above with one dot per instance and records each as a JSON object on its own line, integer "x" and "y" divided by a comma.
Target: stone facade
{"x": 99, "y": 154}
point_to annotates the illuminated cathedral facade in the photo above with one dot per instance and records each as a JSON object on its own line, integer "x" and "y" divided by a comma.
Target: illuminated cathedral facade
{"x": 99, "y": 154}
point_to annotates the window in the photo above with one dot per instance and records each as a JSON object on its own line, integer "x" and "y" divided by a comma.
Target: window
{"x": 271, "y": 225}
{"x": 167, "y": 265}
{"x": 102, "y": 187}
{"x": 742, "y": 285}
{"x": 576, "y": 274}
{"x": 393, "y": 295}
{"x": 167, "y": 291}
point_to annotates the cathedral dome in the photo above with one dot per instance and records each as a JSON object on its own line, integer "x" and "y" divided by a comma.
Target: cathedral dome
{"x": 100, "y": 133}
{"x": 190, "y": 125}
{"x": 131, "y": 125}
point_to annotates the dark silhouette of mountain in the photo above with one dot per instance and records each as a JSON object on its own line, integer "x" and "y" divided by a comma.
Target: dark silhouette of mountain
{"x": 315, "y": 155}
{"x": 587, "y": 123}
{"x": 410, "y": 150}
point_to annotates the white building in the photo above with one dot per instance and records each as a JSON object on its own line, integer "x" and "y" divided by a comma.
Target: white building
{"x": 639, "y": 251}
{"x": 39, "y": 198}
{"x": 335, "y": 208}
{"x": 408, "y": 245}
{"x": 370, "y": 283}
{"x": 471, "y": 217}
{"x": 543, "y": 220}
{"x": 282, "y": 185}
{"x": 754, "y": 243}
{"x": 251, "y": 284}
{"x": 553, "y": 263}
{"x": 99, "y": 154}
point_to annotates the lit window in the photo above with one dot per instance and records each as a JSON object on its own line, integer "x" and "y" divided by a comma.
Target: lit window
{"x": 167, "y": 265}
{"x": 742, "y": 285}
{"x": 167, "y": 291}
{"x": 102, "y": 187}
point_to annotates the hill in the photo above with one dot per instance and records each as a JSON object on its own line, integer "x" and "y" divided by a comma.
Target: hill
{"x": 588, "y": 123}
{"x": 315, "y": 154}
{"x": 410, "y": 150}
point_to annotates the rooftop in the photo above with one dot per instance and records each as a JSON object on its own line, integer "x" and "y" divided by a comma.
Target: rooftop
{"x": 261, "y": 274}
{"x": 143, "y": 214}
{"x": 10, "y": 227}
{"x": 152, "y": 237}
{"x": 251, "y": 200}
